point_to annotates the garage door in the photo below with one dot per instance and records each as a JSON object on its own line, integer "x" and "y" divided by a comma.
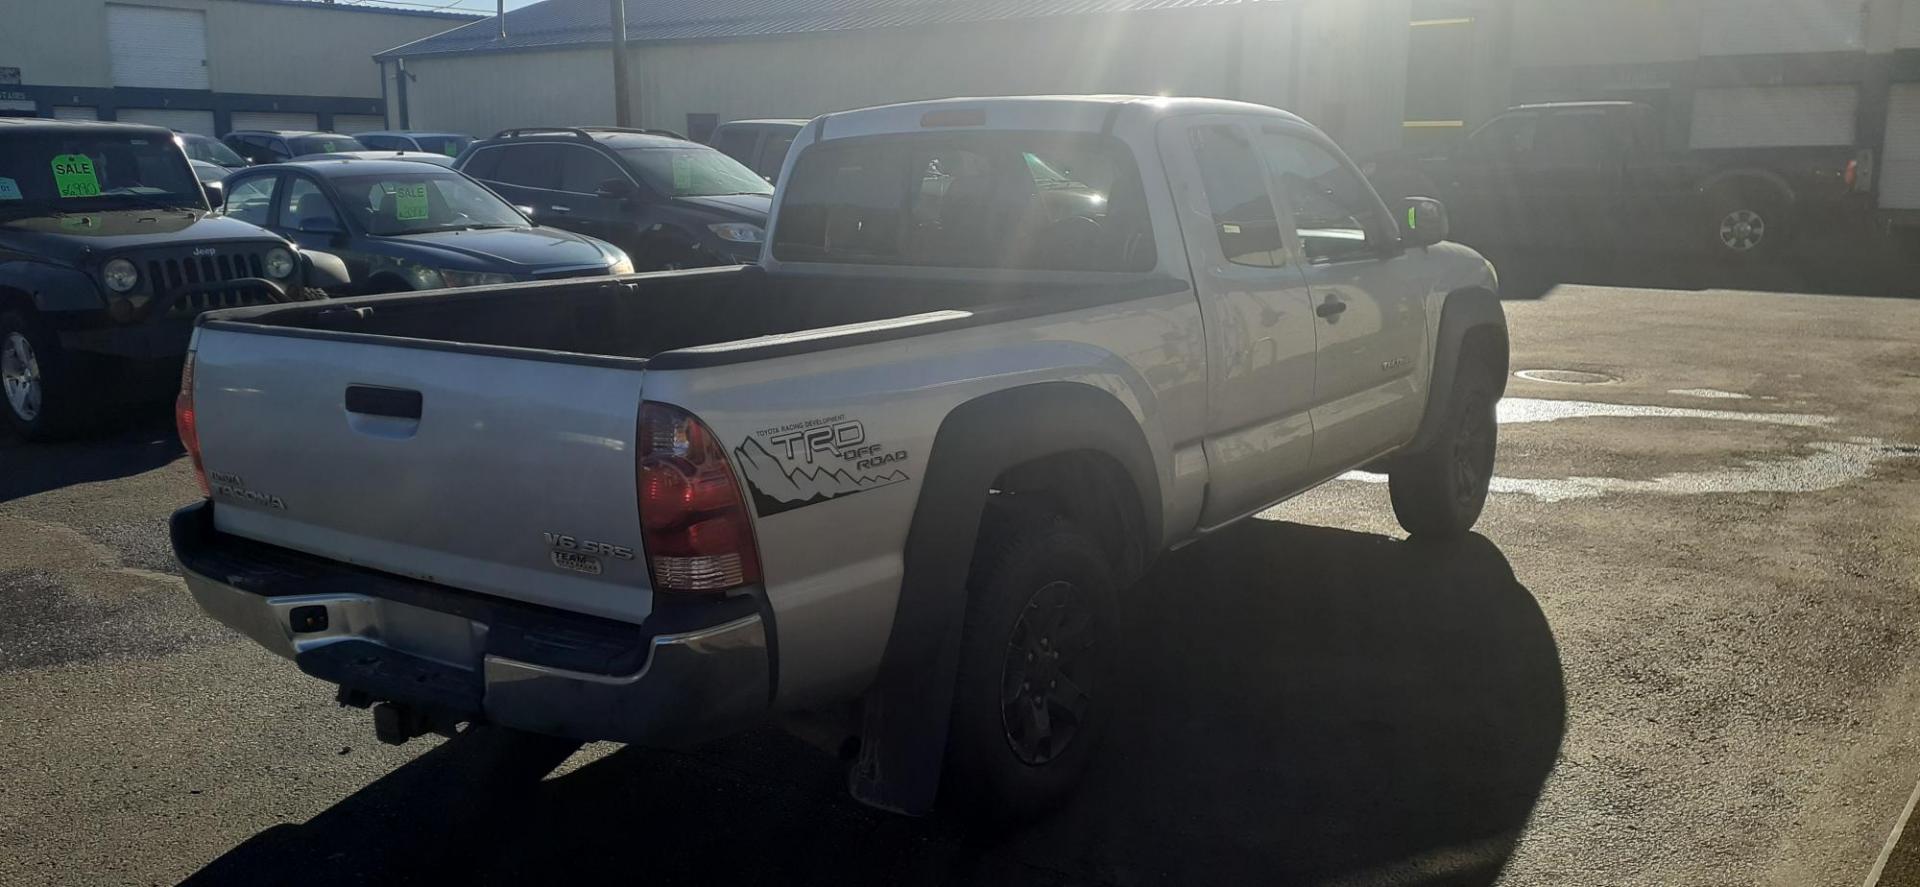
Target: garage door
{"x": 155, "y": 47}
{"x": 273, "y": 120}
{"x": 1900, "y": 168}
{"x": 353, "y": 123}
{"x": 171, "y": 118}
{"x": 1773, "y": 116}
{"x": 75, "y": 112}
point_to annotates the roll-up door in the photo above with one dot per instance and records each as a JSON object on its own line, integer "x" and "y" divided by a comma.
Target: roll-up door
{"x": 157, "y": 47}
{"x": 76, "y": 112}
{"x": 1774, "y": 116}
{"x": 1900, "y": 167}
{"x": 172, "y": 118}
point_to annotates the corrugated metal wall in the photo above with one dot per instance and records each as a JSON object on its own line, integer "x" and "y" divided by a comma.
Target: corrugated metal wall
{"x": 1750, "y": 27}
{"x": 1774, "y": 116}
{"x": 1900, "y": 168}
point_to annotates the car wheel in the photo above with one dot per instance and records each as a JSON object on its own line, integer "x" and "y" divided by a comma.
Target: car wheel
{"x": 1439, "y": 493}
{"x": 37, "y": 379}
{"x": 1746, "y": 226}
{"x": 1034, "y": 690}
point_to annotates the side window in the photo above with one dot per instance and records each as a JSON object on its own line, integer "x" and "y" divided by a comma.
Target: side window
{"x": 277, "y": 150}
{"x": 483, "y": 164}
{"x": 1574, "y": 140}
{"x": 382, "y": 143}
{"x": 305, "y": 201}
{"x": 774, "y": 153}
{"x": 1506, "y": 140}
{"x": 583, "y": 169}
{"x": 529, "y": 166}
{"x": 1243, "y": 215}
{"x": 1330, "y": 202}
{"x": 737, "y": 142}
{"x": 249, "y": 200}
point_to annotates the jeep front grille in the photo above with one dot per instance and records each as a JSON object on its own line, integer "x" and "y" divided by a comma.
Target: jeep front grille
{"x": 165, "y": 275}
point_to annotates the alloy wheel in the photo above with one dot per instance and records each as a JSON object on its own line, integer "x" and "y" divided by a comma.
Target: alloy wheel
{"x": 1742, "y": 230}
{"x": 20, "y": 376}
{"x": 1044, "y": 689}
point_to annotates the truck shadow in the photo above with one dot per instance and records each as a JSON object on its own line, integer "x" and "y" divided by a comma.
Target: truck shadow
{"x": 137, "y": 443}
{"x": 1305, "y": 704}
{"x": 1844, "y": 269}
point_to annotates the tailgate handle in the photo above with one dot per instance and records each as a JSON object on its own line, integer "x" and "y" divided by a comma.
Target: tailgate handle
{"x": 372, "y": 400}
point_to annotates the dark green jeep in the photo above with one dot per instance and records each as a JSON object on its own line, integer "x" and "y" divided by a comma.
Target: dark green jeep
{"x": 108, "y": 250}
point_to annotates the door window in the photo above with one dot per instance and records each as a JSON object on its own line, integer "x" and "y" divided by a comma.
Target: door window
{"x": 529, "y": 166}
{"x": 1573, "y": 139}
{"x": 774, "y": 153}
{"x": 383, "y": 143}
{"x": 250, "y": 200}
{"x": 583, "y": 169}
{"x": 483, "y": 164}
{"x": 1243, "y": 215}
{"x": 1330, "y": 203}
{"x": 737, "y": 142}
{"x": 307, "y": 203}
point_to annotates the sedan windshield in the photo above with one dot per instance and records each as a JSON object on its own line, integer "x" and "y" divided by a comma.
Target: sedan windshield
{"x": 90, "y": 171}
{"x": 415, "y": 203}
{"x": 693, "y": 171}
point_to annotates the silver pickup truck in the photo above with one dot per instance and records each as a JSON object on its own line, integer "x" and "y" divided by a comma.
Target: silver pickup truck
{"x": 997, "y": 355}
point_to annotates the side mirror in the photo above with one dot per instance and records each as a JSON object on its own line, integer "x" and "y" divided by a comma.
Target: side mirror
{"x": 616, "y": 188}
{"x": 524, "y": 210}
{"x": 216, "y": 193}
{"x": 325, "y": 270}
{"x": 1422, "y": 221}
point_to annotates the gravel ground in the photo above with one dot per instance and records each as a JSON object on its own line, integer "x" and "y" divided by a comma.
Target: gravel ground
{"x": 1697, "y": 668}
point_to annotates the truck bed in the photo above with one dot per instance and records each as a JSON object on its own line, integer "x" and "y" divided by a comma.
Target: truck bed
{"x": 641, "y": 317}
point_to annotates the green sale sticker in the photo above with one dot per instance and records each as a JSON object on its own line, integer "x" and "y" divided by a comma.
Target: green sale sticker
{"x": 410, "y": 202}
{"x": 73, "y": 176}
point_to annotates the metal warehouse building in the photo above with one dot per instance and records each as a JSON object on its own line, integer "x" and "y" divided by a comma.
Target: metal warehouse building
{"x": 204, "y": 66}
{"x": 695, "y": 62}
{"x": 1376, "y": 73}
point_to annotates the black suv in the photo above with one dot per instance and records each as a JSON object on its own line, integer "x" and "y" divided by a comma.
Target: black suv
{"x": 759, "y": 144}
{"x": 275, "y": 145}
{"x": 107, "y": 253}
{"x": 666, "y": 201}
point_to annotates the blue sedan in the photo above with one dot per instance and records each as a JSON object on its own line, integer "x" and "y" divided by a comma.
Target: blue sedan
{"x": 403, "y": 225}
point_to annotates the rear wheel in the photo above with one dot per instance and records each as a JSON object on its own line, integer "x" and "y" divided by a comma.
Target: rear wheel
{"x": 1033, "y": 694}
{"x": 1439, "y": 493}
{"x": 1746, "y": 224}
{"x": 38, "y": 379}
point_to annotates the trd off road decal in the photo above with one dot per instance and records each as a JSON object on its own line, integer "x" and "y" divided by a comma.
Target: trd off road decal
{"x": 801, "y": 463}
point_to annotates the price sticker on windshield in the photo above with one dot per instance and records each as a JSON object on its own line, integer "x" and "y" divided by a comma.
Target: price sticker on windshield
{"x": 682, "y": 171}
{"x": 410, "y": 202}
{"x": 9, "y": 189}
{"x": 73, "y": 175}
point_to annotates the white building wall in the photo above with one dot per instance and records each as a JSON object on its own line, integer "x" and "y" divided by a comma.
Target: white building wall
{"x": 482, "y": 94}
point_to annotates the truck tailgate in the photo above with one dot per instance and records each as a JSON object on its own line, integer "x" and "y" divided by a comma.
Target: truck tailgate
{"x": 450, "y": 466}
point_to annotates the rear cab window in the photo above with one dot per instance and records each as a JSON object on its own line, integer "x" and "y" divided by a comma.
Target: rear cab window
{"x": 1042, "y": 201}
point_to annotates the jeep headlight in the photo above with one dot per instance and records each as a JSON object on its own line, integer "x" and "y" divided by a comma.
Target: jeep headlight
{"x": 737, "y": 232}
{"x": 279, "y": 263}
{"x": 120, "y": 275}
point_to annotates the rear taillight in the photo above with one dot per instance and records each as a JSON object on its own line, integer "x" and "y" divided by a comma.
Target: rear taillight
{"x": 188, "y": 424}
{"x": 1852, "y": 175}
{"x": 693, "y": 521}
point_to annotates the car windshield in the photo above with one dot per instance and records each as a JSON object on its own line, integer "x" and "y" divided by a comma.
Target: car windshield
{"x": 91, "y": 171}
{"x": 414, "y": 203}
{"x": 210, "y": 151}
{"x": 693, "y": 171}
{"x": 448, "y": 145}
{"x": 324, "y": 144}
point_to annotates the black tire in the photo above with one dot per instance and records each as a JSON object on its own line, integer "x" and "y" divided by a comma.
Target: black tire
{"x": 1439, "y": 493}
{"x": 1036, "y": 578}
{"x": 1745, "y": 225}
{"x": 59, "y": 408}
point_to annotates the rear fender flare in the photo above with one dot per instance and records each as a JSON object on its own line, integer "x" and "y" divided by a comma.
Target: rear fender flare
{"x": 905, "y": 715}
{"x": 1467, "y": 314}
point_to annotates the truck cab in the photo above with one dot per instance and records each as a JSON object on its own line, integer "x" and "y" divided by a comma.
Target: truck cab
{"x": 108, "y": 251}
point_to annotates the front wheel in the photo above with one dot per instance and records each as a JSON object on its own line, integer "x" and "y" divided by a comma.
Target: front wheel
{"x": 1033, "y": 693}
{"x": 1438, "y": 493}
{"x": 37, "y": 378}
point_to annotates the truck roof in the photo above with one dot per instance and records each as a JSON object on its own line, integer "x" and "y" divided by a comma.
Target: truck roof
{"x": 1089, "y": 113}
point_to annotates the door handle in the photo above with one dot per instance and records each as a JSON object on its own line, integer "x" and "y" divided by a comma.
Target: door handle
{"x": 563, "y": 210}
{"x": 1330, "y": 308}
{"x": 374, "y": 400}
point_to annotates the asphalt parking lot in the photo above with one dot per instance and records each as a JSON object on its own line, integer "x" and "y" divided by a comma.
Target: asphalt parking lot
{"x": 1681, "y": 650}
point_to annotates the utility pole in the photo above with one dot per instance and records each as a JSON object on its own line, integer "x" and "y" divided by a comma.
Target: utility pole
{"x": 500, "y": 13}
{"x": 622, "y": 115}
